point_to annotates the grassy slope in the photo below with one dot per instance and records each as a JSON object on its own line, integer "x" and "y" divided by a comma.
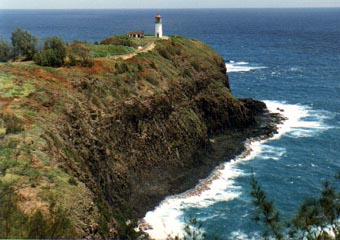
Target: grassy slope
{"x": 30, "y": 176}
{"x": 56, "y": 123}
{"x": 108, "y": 50}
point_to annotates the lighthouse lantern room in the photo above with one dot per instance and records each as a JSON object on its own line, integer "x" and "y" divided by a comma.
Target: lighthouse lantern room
{"x": 158, "y": 26}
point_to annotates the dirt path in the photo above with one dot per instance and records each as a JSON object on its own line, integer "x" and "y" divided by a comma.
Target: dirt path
{"x": 147, "y": 48}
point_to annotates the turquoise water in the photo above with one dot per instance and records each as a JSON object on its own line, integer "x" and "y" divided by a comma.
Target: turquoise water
{"x": 289, "y": 58}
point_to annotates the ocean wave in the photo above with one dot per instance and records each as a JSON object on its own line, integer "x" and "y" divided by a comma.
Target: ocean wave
{"x": 233, "y": 66}
{"x": 167, "y": 218}
{"x": 302, "y": 121}
{"x": 272, "y": 153}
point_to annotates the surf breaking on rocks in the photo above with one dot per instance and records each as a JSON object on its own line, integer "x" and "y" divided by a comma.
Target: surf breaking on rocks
{"x": 167, "y": 219}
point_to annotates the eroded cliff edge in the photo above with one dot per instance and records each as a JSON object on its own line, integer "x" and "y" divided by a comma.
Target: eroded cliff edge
{"x": 105, "y": 144}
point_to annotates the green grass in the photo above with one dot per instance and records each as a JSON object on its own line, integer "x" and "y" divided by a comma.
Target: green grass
{"x": 143, "y": 41}
{"x": 108, "y": 50}
{"x": 10, "y": 86}
{"x": 16, "y": 155}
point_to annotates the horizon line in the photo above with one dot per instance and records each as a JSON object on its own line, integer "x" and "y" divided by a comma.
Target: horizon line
{"x": 172, "y": 8}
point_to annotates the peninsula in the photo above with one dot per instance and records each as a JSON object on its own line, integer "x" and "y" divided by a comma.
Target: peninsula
{"x": 86, "y": 150}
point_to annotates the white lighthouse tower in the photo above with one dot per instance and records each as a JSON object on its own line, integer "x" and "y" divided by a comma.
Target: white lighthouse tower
{"x": 158, "y": 26}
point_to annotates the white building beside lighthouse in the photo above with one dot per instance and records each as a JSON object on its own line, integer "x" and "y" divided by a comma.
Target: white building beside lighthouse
{"x": 158, "y": 26}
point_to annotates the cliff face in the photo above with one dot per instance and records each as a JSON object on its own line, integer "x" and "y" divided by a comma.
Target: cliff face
{"x": 122, "y": 135}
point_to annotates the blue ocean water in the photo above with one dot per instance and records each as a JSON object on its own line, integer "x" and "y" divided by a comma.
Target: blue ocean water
{"x": 288, "y": 57}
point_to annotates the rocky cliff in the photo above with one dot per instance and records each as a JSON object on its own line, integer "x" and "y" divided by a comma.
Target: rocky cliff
{"x": 89, "y": 148}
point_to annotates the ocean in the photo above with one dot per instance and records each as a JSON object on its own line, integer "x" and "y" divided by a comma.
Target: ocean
{"x": 289, "y": 58}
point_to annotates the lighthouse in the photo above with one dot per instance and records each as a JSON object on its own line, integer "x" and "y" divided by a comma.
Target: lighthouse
{"x": 158, "y": 26}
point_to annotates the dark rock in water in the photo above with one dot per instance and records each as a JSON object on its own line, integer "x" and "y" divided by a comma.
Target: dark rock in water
{"x": 257, "y": 107}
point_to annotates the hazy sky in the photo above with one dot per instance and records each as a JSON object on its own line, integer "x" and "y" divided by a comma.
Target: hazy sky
{"x": 83, "y": 4}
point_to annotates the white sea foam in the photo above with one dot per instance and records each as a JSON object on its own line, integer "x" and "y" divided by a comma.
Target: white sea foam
{"x": 241, "y": 63}
{"x": 239, "y": 235}
{"x": 241, "y": 67}
{"x": 167, "y": 218}
{"x": 302, "y": 121}
{"x": 296, "y": 69}
{"x": 272, "y": 153}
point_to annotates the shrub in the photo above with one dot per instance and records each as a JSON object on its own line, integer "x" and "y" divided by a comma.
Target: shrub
{"x": 57, "y": 44}
{"x": 24, "y": 44}
{"x": 47, "y": 58}
{"x": 79, "y": 55}
{"x": 5, "y": 51}
{"x": 72, "y": 181}
{"x": 54, "y": 53}
{"x": 108, "y": 50}
{"x": 118, "y": 40}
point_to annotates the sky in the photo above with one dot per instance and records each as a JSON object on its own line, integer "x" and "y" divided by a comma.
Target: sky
{"x": 157, "y": 4}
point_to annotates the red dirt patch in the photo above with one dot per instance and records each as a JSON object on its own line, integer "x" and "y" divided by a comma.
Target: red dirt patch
{"x": 100, "y": 66}
{"x": 4, "y": 104}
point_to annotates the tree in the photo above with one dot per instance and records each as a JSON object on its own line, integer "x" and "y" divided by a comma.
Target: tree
{"x": 317, "y": 218}
{"x": 24, "y": 44}
{"x": 5, "y": 50}
{"x": 53, "y": 54}
{"x": 267, "y": 212}
{"x": 193, "y": 230}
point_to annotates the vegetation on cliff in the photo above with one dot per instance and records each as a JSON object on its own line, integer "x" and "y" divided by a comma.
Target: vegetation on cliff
{"x": 86, "y": 149}
{"x": 55, "y": 52}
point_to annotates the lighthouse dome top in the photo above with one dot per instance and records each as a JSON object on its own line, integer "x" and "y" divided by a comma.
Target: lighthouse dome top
{"x": 158, "y": 16}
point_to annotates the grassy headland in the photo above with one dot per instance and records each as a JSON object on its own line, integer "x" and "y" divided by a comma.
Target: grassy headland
{"x": 84, "y": 149}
